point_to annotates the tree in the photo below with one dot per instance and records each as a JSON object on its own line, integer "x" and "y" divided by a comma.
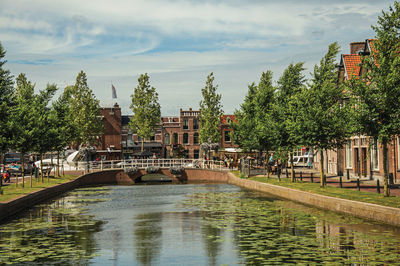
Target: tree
{"x": 29, "y": 122}
{"x": 23, "y": 120}
{"x": 263, "y": 103}
{"x": 61, "y": 120}
{"x": 378, "y": 90}
{"x": 85, "y": 110}
{"x": 285, "y": 117}
{"x": 6, "y": 103}
{"x": 46, "y": 131}
{"x": 146, "y": 109}
{"x": 324, "y": 117}
{"x": 244, "y": 131}
{"x": 210, "y": 112}
{"x": 252, "y": 130}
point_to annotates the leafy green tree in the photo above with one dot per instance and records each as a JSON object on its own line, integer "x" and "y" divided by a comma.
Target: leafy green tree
{"x": 378, "y": 90}
{"x": 85, "y": 110}
{"x": 210, "y": 112}
{"x": 23, "y": 120}
{"x": 264, "y": 100}
{"x": 244, "y": 131}
{"x": 146, "y": 109}
{"x": 6, "y": 102}
{"x": 253, "y": 128}
{"x": 324, "y": 117}
{"x": 285, "y": 115}
{"x": 31, "y": 131}
{"x": 46, "y": 132}
{"x": 61, "y": 121}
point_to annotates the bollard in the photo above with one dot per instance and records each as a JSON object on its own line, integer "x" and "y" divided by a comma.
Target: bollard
{"x": 378, "y": 187}
{"x": 391, "y": 179}
{"x": 312, "y": 177}
{"x": 358, "y": 184}
{"x": 340, "y": 182}
{"x": 294, "y": 176}
{"x": 348, "y": 174}
{"x": 301, "y": 176}
{"x": 287, "y": 174}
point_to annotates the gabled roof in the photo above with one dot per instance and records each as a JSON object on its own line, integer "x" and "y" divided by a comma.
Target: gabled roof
{"x": 370, "y": 46}
{"x": 351, "y": 63}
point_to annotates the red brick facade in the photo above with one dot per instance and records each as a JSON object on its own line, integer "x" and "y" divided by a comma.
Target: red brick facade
{"x": 110, "y": 141}
{"x": 176, "y": 137}
{"x": 359, "y": 157}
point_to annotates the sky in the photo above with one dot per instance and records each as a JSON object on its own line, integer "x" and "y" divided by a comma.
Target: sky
{"x": 178, "y": 43}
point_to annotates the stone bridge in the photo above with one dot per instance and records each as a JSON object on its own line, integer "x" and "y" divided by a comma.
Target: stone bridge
{"x": 119, "y": 176}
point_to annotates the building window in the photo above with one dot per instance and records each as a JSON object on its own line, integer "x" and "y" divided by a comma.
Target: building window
{"x": 167, "y": 139}
{"x": 185, "y": 138}
{"x": 185, "y": 124}
{"x": 196, "y": 138}
{"x": 356, "y": 142}
{"x": 186, "y": 154}
{"x": 195, "y": 123}
{"x": 196, "y": 154}
{"x": 152, "y": 138}
{"x": 228, "y": 120}
{"x": 176, "y": 138}
{"x": 227, "y": 136}
{"x": 375, "y": 155}
{"x": 349, "y": 155}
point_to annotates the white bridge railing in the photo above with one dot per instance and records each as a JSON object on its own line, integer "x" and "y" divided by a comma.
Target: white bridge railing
{"x": 144, "y": 163}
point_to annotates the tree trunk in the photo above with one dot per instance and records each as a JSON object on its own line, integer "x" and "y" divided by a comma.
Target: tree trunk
{"x": 386, "y": 191}
{"x": 22, "y": 169}
{"x": 41, "y": 167}
{"x": 322, "y": 177}
{"x": 291, "y": 167}
{"x": 142, "y": 145}
{"x": 31, "y": 175}
{"x": 58, "y": 163}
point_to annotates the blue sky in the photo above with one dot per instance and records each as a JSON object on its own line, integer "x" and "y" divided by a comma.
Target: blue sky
{"x": 178, "y": 43}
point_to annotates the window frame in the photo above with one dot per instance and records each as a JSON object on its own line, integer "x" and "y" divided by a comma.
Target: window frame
{"x": 349, "y": 154}
{"x": 375, "y": 155}
{"x": 185, "y": 136}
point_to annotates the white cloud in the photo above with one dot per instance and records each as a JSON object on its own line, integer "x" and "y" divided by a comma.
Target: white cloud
{"x": 177, "y": 42}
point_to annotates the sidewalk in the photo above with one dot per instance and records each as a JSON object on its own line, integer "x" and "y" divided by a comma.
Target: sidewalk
{"x": 334, "y": 181}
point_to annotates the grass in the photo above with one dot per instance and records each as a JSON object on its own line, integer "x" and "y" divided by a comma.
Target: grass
{"x": 11, "y": 191}
{"x": 343, "y": 193}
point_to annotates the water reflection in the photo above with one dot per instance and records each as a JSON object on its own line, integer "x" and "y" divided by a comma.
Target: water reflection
{"x": 148, "y": 237}
{"x": 190, "y": 224}
{"x": 58, "y": 232}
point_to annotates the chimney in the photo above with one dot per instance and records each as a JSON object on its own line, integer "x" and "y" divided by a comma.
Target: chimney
{"x": 356, "y": 47}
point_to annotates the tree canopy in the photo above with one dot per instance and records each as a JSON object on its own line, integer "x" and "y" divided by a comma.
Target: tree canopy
{"x": 210, "y": 112}
{"x": 378, "y": 89}
{"x": 146, "y": 109}
{"x": 6, "y": 103}
{"x": 84, "y": 106}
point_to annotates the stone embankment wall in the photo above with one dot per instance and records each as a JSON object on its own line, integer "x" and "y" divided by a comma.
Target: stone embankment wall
{"x": 364, "y": 210}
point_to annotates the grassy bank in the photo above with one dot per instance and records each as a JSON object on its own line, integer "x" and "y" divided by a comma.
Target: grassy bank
{"x": 343, "y": 193}
{"x": 11, "y": 191}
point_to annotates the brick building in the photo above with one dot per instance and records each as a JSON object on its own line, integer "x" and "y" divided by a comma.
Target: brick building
{"x": 109, "y": 147}
{"x": 180, "y": 135}
{"x": 177, "y": 136}
{"x": 361, "y": 156}
{"x": 132, "y": 143}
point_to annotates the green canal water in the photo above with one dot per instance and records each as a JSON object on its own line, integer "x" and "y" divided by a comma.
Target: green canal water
{"x": 191, "y": 224}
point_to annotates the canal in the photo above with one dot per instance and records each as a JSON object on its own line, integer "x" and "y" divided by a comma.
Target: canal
{"x": 190, "y": 224}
